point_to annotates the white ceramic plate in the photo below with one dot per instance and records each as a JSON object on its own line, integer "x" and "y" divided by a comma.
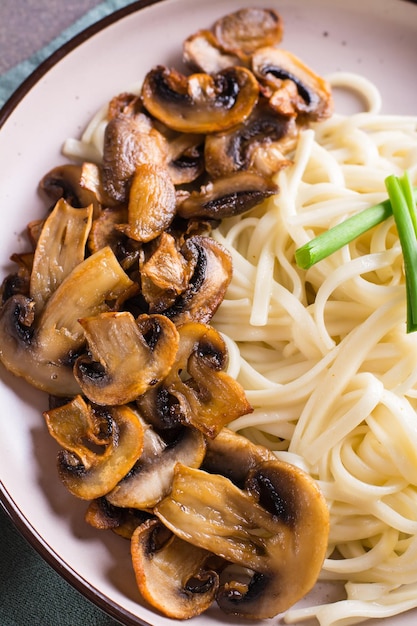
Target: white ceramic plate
{"x": 377, "y": 38}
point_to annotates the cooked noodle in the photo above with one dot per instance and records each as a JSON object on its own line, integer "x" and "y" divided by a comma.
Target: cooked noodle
{"x": 323, "y": 354}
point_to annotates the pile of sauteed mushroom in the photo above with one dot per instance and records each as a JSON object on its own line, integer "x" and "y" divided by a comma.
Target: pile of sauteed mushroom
{"x": 110, "y": 314}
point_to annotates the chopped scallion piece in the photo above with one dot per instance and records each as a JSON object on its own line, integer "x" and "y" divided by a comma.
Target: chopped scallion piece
{"x": 340, "y": 235}
{"x": 403, "y": 206}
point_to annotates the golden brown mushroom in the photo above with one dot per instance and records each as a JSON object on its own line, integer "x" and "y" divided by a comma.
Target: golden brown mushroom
{"x": 126, "y": 356}
{"x": 60, "y": 248}
{"x": 204, "y": 396}
{"x": 230, "y": 195}
{"x": 99, "y": 446}
{"x": 200, "y": 103}
{"x": 244, "y": 31}
{"x": 80, "y": 185}
{"x": 262, "y": 144}
{"x": 164, "y": 274}
{"x": 171, "y": 574}
{"x": 306, "y": 94}
{"x": 209, "y": 272}
{"x": 129, "y": 140}
{"x": 150, "y": 478}
{"x": 276, "y": 528}
{"x": 41, "y": 349}
{"x": 202, "y": 52}
{"x": 152, "y": 202}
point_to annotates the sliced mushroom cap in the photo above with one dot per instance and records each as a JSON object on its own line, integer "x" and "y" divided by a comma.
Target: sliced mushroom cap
{"x": 261, "y": 143}
{"x": 152, "y": 202}
{"x": 227, "y": 196}
{"x": 42, "y": 349}
{"x": 126, "y": 356}
{"x": 275, "y": 67}
{"x": 164, "y": 274}
{"x": 99, "y": 447}
{"x": 60, "y": 248}
{"x": 129, "y": 140}
{"x": 126, "y": 103}
{"x": 150, "y": 479}
{"x": 185, "y": 158}
{"x": 212, "y": 270}
{"x": 207, "y": 397}
{"x": 200, "y": 103}
{"x": 245, "y": 30}
{"x": 234, "y": 456}
{"x": 105, "y": 232}
{"x": 104, "y": 516}
{"x": 80, "y": 185}
{"x": 294, "y": 500}
{"x": 202, "y": 52}
{"x": 17, "y": 282}
{"x": 277, "y": 528}
{"x": 170, "y": 573}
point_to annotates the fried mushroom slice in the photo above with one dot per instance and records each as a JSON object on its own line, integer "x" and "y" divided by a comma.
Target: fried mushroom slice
{"x": 60, "y": 248}
{"x": 129, "y": 140}
{"x": 202, "y": 53}
{"x": 200, "y": 103}
{"x": 185, "y": 158}
{"x": 236, "y": 465}
{"x": 152, "y": 202}
{"x": 126, "y": 356}
{"x": 277, "y": 528}
{"x": 246, "y": 30}
{"x": 211, "y": 266}
{"x": 209, "y": 272}
{"x": 102, "y": 515}
{"x": 207, "y": 397}
{"x": 150, "y": 479}
{"x": 261, "y": 143}
{"x": 170, "y": 573}
{"x": 227, "y": 196}
{"x": 80, "y": 185}
{"x": 307, "y": 94}
{"x": 99, "y": 446}
{"x": 41, "y": 349}
{"x": 105, "y": 231}
{"x": 164, "y": 274}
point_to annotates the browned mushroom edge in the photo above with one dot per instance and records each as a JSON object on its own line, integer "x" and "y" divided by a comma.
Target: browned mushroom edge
{"x": 109, "y": 312}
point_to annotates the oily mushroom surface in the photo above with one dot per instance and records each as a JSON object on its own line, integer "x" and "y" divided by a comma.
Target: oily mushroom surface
{"x": 261, "y": 143}
{"x": 206, "y": 397}
{"x": 210, "y": 273}
{"x": 230, "y": 195}
{"x": 152, "y": 202}
{"x": 110, "y": 313}
{"x": 305, "y": 93}
{"x": 99, "y": 447}
{"x": 127, "y": 356}
{"x": 200, "y": 103}
{"x": 246, "y": 30}
{"x": 151, "y": 477}
{"x": 277, "y": 527}
{"x": 41, "y": 348}
{"x": 171, "y": 574}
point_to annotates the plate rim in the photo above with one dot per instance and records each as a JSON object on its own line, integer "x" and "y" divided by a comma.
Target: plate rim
{"x": 68, "y": 46}
{"x": 7, "y": 502}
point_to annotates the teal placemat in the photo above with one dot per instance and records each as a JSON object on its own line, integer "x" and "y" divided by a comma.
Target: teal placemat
{"x": 31, "y": 592}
